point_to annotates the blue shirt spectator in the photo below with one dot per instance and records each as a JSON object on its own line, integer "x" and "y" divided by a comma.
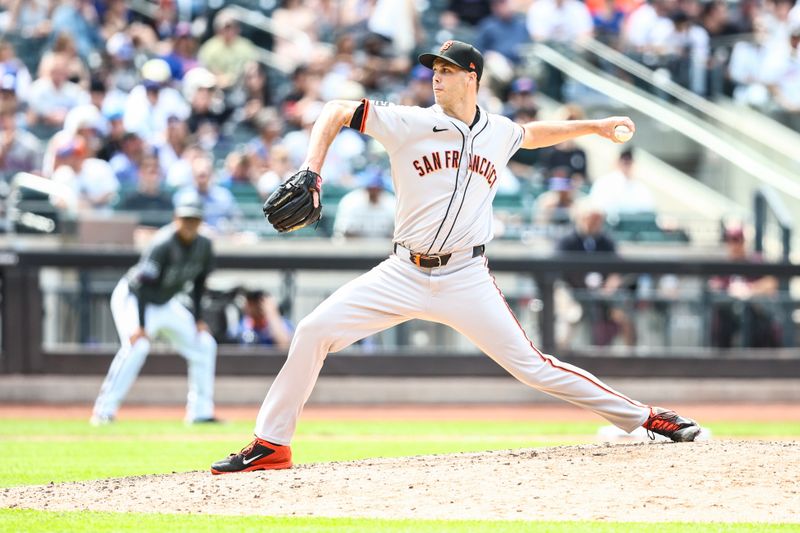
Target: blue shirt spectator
{"x": 70, "y": 18}
{"x": 219, "y": 205}
{"x": 126, "y": 162}
{"x": 504, "y": 31}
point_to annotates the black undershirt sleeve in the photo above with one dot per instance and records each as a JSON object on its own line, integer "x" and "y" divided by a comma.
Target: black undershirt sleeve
{"x": 358, "y": 116}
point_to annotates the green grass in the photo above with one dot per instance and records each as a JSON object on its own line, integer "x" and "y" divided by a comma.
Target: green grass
{"x": 81, "y": 452}
{"x": 33, "y": 521}
{"x": 76, "y": 451}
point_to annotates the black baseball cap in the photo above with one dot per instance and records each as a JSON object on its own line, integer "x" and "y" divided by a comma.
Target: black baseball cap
{"x": 458, "y": 53}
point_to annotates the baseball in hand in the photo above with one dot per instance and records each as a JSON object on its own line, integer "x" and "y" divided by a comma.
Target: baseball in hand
{"x": 623, "y": 133}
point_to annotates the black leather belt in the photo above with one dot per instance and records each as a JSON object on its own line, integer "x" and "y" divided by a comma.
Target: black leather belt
{"x": 433, "y": 261}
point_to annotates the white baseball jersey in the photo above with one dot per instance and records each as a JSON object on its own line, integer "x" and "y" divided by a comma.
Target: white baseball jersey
{"x": 444, "y": 172}
{"x": 445, "y": 176}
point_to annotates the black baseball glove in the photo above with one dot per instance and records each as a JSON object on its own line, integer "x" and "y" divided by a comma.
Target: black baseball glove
{"x": 291, "y": 206}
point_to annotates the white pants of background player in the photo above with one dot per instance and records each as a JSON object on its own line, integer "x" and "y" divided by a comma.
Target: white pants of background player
{"x": 463, "y": 295}
{"x": 176, "y": 324}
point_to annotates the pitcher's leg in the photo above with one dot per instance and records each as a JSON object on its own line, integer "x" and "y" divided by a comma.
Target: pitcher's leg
{"x": 371, "y": 303}
{"x": 491, "y": 325}
{"x": 199, "y": 349}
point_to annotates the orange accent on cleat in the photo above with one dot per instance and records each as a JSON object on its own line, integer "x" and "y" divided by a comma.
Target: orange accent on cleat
{"x": 258, "y": 455}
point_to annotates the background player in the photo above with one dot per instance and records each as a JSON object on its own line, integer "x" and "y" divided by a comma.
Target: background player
{"x": 143, "y": 306}
{"x": 445, "y": 161}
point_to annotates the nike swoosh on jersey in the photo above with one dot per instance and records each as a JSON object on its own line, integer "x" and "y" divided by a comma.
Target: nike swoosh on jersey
{"x": 437, "y": 131}
{"x": 248, "y": 461}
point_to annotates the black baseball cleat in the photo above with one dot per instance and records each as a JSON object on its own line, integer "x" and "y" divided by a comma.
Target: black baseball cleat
{"x": 671, "y": 425}
{"x": 258, "y": 455}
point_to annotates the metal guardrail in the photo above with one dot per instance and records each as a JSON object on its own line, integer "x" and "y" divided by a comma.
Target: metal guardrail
{"x": 22, "y": 307}
{"x": 751, "y": 169}
{"x": 712, "y": 113}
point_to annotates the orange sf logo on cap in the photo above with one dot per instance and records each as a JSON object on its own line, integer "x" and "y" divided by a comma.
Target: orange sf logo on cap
{"x": 445, "y": 46}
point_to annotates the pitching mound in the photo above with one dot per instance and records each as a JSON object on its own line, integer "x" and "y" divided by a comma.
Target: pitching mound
{"x": 727, "y": 481}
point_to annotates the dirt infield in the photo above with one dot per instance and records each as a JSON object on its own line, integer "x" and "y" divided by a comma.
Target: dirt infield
{"x": 728, "y": 481}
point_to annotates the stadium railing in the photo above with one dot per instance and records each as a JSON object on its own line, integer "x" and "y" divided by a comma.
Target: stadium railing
{"x": 24, "y": 318}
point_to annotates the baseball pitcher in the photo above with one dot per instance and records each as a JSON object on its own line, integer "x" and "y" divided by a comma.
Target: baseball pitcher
{"x": 445, "y": 163}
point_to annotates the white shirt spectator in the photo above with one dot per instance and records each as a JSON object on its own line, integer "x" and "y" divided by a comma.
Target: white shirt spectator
{"x": 45, "y": 98}
{"x": 746, "y": 68}
{"x": 150, "y": 121}
{"x": 357, "y": 216}
{"x": 620, "y": 195}
{"x": 95, "y": 182}
{"x": 338, "y": 166}
{"x": 646, "y": 29}
{"x": 559, "y": 20}
{"x": 395, "y": 20}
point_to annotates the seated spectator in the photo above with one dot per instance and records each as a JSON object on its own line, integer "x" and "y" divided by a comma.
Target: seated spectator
{"x": 64, "y": 46}
{"x": 346, "y": 148}
{"x": 418, "y": 91}
{"x": 523, "y": 161}
{"x": 84, "y": 120}
{"x": 262, "y": 322}
{"x": 89, "y": 183}
{"x": 30, "y": 18}
{"x": 170, "y": 150}
{"x": 122, "y": 75}
{"x": 112, "y": 140}
{"x": 521, "y": 94}
{"x": 607, "y": 320}
{"x": 151, "y": 103}
{"x": 553, "y": 208}
{"x": 53, "y": 95}
{"x": 469, "y": 12}
{"x": 746, "y": 68}
{"x": 238, "y": 170}
{"x": 126, "y": 163}
{"x": 566, "y": 155}
{"x": 182, "y": 54}
{"x": 207, "y": 106}
{"x": 179, "y": 172}
{"x": 607, "y": 20}
{"x": 561, "y": 21}
{"x": 620, "y": 193}
{"x": 219, "y": 206}
{"x": 746, "y": 306}
{"x": 504, "y": 31}
{"x": 11, "y": 65}
{"x": 647, "y": 31}
{"x": 79, "y": 19}
{"x": 20, "y": 151}
{"x": 397, "y": 21}
{"x": 279, "y": 168}
{"x": 227, "y": 53}
{"x": 256, "y": 94}
{"x": 149, "y": 195}
{"x": 784, "y": 82}
{"x": 367, "y": 212}
{"x": 270, "y": 128}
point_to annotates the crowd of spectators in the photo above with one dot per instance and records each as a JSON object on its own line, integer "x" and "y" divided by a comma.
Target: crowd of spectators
{"x": 126, "y": 110}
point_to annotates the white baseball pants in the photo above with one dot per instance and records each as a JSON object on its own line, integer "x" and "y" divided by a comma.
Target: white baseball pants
{"x": 463, "y": 295}
{"x": 176, "y": 324}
